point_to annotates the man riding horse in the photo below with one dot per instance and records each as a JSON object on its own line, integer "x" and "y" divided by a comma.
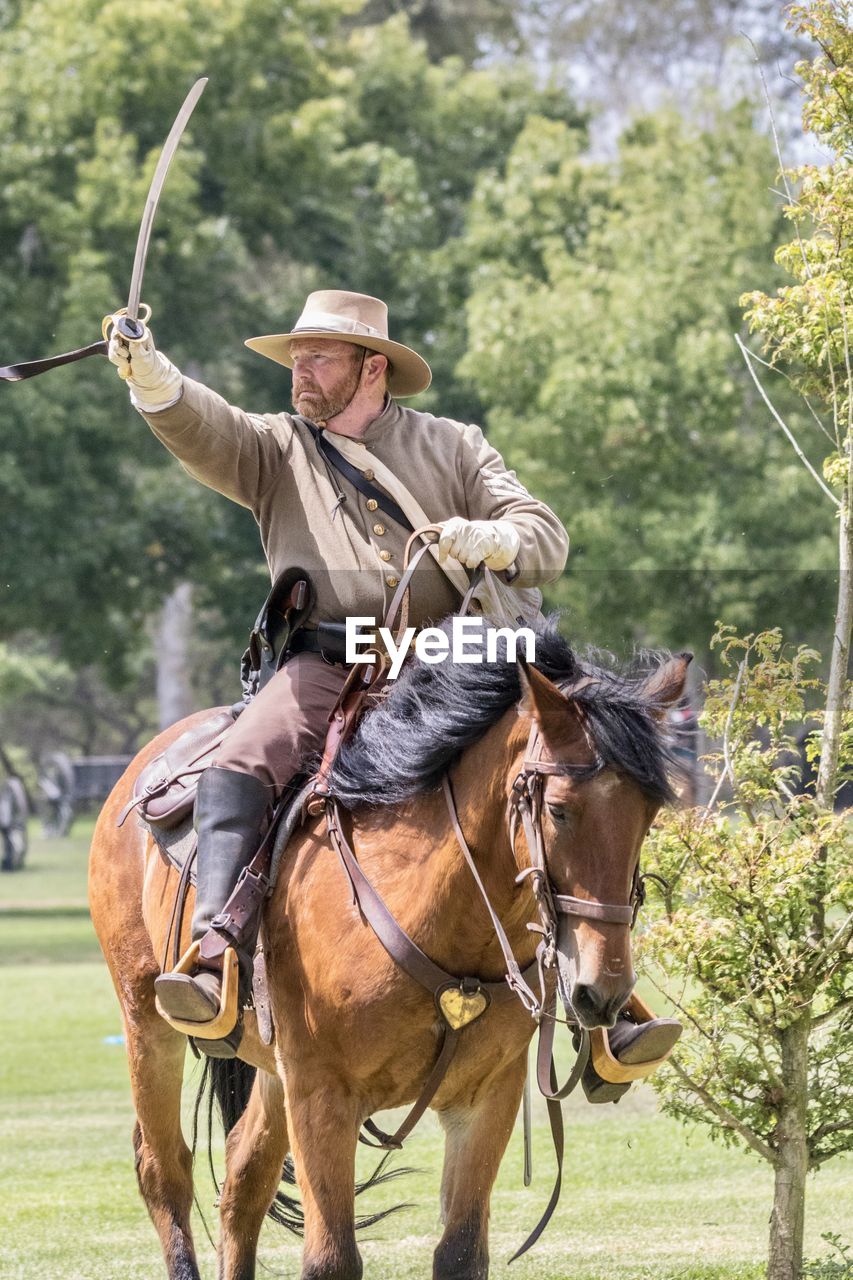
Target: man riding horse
{"x": 348, "y": 377}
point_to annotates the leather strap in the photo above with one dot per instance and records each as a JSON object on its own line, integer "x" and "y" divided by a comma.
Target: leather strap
{"x": 394, "y": 1141}
{"x": 177, "y": 917}
{"x": 545, "y": 1074}
{"x": 514, "y": 977}
{"x": 227, "y": 928}
{"x": 400, "y": 947}
{"x": 337, "y": 460}
{"x": 323, "y": 640}
{"x": 413, "y": 961}
{"x": 609, "y": 912}
{"x": 555, "y": 1119}
{"x": 400, "y": 599}
{"x": 342, "y": 719}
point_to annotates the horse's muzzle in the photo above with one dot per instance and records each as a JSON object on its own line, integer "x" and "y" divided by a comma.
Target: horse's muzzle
{"x": 591, "y": 995}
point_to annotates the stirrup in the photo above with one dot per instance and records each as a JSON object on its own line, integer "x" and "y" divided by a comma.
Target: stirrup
{"x": 225, "y": 1019}
{"x": 607, "y": 1066}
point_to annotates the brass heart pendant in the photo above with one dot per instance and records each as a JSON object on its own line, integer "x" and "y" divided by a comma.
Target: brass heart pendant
{"x": 460, "y": 1007}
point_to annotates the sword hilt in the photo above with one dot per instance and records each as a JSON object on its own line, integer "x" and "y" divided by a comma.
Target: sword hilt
{"x": 131, "y": 329}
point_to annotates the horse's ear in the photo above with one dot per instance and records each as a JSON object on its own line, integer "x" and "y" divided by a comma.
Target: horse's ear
{"x": 665, "y": 686}
{"x": 544, "y": 702}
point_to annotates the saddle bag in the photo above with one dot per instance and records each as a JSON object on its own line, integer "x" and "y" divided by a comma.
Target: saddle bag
{"x": 164, "y": 791}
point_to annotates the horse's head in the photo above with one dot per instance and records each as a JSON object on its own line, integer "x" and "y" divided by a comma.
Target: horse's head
{"x": 603, "y": 778}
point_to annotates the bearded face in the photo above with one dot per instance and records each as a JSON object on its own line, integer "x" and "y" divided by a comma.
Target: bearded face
{"x": 326, "y": 375}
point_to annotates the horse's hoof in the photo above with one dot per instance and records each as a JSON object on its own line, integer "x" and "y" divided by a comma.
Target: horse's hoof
{"x": 189, "y": 999}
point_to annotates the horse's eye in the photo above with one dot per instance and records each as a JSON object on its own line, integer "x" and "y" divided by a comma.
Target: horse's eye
{"x": 558, "y": 812}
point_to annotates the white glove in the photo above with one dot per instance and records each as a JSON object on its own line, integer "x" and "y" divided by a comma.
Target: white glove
{"x": 153, "y": 380}
{"x": 493, "y": 543}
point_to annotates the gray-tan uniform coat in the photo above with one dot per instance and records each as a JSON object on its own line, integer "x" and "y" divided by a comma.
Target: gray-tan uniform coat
{"x": 270, "y": 464}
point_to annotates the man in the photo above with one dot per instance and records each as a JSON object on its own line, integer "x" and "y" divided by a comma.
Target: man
{"x": 347, "y": 378}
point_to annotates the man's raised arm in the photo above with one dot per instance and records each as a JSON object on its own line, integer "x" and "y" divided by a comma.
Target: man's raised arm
{"x": 223, "y": 447}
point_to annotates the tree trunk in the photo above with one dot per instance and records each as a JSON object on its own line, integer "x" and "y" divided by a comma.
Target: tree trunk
{"x": 172, "y": 650}
{"x": 828, "y": 769}
{"x": 837, "y": 684}
{"x": 789, "y": 1192}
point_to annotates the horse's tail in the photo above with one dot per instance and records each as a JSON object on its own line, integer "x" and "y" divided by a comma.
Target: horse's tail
{"x": 225, "y": 1085}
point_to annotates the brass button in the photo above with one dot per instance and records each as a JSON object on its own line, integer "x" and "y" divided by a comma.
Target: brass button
{"x": 372, "y": 504}
{"x": 368, "y": 474}
{"x": 384, "y": 555}
{"x": 379, "y": 529}
{"x": 392, "y": 581}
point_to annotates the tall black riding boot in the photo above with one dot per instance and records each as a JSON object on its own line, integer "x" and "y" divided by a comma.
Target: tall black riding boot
{"x": 230, "y": 810}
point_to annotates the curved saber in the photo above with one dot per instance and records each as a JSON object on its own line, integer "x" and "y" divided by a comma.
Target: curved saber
{"x": 128, "y": 323}
{"x": 170, "y": 146}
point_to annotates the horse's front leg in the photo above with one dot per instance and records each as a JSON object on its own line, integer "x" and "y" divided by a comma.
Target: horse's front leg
{"x": 254, "y": 1157}
{"x": 324, "y": 1119}
{"x": 477, "y": 1131}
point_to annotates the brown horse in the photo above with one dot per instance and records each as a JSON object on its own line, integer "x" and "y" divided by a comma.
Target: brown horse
{"x": 353, "y": 1033}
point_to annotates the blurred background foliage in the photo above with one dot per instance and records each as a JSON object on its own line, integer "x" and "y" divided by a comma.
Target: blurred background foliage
{"x": 561, "y": 204}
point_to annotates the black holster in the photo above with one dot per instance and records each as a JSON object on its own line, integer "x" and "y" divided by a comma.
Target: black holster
{"x": 285, "y": 609}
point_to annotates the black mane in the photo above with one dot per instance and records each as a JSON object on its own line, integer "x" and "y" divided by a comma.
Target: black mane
{"x": 435, "y": 711}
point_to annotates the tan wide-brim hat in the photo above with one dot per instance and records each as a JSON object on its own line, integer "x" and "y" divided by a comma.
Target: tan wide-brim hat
{"x": 356, "y": 318}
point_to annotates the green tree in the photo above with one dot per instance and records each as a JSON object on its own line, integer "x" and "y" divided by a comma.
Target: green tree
{"x": 752, "y": 940}
{"x": 756, "y": 934}
{"x": 465, "y": 28}
{"x": 321, "y": 153}
{"x": 808, "y": 325}
{"x": 600, "y": 338}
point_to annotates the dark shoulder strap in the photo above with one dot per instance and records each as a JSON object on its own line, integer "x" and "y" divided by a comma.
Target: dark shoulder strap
{"x": 337, "y": 460}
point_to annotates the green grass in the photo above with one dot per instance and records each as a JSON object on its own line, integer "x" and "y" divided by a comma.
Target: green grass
{"x": 54, "y": 872}
{"x": 643, "y": 1198}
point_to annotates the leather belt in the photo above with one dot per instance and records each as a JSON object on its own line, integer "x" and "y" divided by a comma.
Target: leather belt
{"x": 328, "y": 639}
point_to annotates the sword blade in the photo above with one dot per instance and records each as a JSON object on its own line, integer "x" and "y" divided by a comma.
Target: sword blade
{"x": 170, "y": 146}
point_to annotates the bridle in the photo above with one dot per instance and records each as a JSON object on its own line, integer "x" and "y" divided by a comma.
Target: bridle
{"x": 525, "y": 810}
